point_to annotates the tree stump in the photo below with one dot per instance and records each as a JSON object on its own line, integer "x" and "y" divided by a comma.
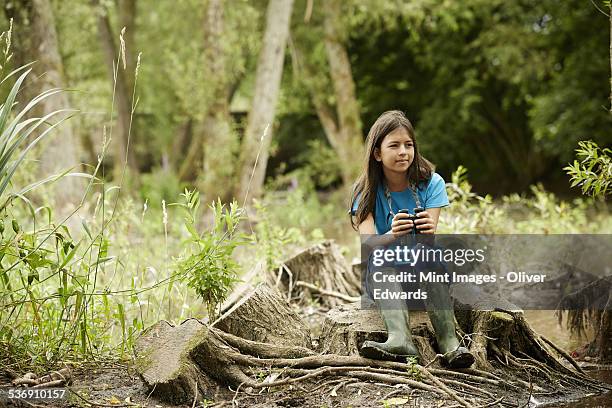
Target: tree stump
{"x": 323, "y": 266}
{"x": 346, "y": 328}
{"x": 262, "y": 315}
{"x": 164, "y": 355}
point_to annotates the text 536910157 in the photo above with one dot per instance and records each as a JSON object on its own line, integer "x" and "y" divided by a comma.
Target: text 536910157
{"x": 34, "y": 393}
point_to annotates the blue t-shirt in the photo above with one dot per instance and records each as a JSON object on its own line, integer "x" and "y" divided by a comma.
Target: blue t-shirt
{"x": 431, "y": 195}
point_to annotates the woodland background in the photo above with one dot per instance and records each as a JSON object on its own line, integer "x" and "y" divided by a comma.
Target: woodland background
{"x": 505, "y": 90}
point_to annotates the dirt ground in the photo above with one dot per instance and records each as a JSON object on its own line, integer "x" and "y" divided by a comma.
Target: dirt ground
{"x": 119, "y": 385}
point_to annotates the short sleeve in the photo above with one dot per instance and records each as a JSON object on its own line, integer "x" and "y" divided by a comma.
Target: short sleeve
{"x": 436, "y": 192}
{"x": 355, "y": 205}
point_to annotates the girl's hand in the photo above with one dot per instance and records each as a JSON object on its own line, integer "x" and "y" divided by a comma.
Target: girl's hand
{"x": 425, "y": 223}
{"x": 401, "y": 224}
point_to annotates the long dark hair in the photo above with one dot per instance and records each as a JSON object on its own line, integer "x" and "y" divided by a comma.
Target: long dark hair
{"x": 372, "y": 175}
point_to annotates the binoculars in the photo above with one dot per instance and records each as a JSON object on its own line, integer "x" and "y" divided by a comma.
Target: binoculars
{"x": 413, "y": 217}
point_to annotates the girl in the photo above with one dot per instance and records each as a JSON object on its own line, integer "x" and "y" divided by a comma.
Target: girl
{"x": 397, "y": 177}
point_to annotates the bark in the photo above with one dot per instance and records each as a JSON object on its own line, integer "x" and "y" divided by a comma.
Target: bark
{"x": 182, "y": 138}
{"x": 341, "y": 123}
{"x": 263, "y": 335}
{"x": 184, "y": 363}
{"x": 212, "y": 147}
{"x": 346, "y": 328}
{"x": 349, "y": 135}
{"x": 122, "y": 96}
{"x": 591, "y": 306}
{"x": 127, "y": 19}
{"x": 265, "y": 96}
{"x": 263, "y": 316}
{"x": 37, "y": 40}
{"x": 219, "y": 141}
{"x": 604, "y": 336}
{"x": 192, "y": 159}
{"x": 164, "y": 360}
{"x": 610, "y": 13}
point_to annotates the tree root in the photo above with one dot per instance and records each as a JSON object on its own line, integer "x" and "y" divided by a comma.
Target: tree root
{"x": 564, "y": 354}
{"x": 53, "y": 379}
{"x": 265, "y": 350}
{"x": 324, "y": 292}
{"x": 386, "y": 371}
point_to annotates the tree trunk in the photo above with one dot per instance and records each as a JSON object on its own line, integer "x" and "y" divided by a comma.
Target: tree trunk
{"x": 267, "y": 85}
{"x": 127, "y": 19}
{"x": 37, "y": 41}
{"x": 349, "y": 136}
{"x": 182, "y": 138}
{"x": 604, "y": 333}
{"x": 610, "y": 14}
{"x": 218, "y": 139}
{"x": 263, "y": 336}
{"x": 189, "y": 163}
{"x": 591, "y": 306}
{"x": 192, "y": 361}
{"x": 123, "y": 154}
{"x": 342, "y": 123}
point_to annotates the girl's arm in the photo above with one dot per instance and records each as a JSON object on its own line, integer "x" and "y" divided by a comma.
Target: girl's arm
{"x": 401, "y": 224}
{"x": 367, "y": 226}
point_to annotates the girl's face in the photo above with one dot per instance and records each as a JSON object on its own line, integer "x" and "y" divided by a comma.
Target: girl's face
{"x": 396, "y": 151}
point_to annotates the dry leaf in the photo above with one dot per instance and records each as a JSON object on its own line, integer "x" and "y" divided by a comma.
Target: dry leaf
{"x": 396, "y": 401}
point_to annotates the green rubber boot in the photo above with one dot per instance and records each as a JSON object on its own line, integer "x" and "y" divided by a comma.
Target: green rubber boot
{"x": 399, "y": 344}
{"x": 442, "y": 318}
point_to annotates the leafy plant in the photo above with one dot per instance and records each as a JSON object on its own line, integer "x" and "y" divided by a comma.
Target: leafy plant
{"x": 208, "y": 266}
{"x": 592, "y": 170}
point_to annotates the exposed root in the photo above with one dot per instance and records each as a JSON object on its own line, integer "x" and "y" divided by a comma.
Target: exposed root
{"x": 564, "y": 354}
{"x": 325, "y": 292}
{"x": 265, "y": 350}
{"x": 53, "y": 379}
{"x": 237, "y": 360}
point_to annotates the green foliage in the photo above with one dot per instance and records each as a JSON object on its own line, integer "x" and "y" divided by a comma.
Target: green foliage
{"x": 592, "y": 171}
{"x": 505, "y": 88}
{"x": 468, "y": 210}
{"x": 208, "y": 266}
{"x": 159, "y": 185}
{"x": 540, "y": 212}
{"x": 271, "y": 239}
{"x": 320, "y": 163}
{"x": 15, "y": 128}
